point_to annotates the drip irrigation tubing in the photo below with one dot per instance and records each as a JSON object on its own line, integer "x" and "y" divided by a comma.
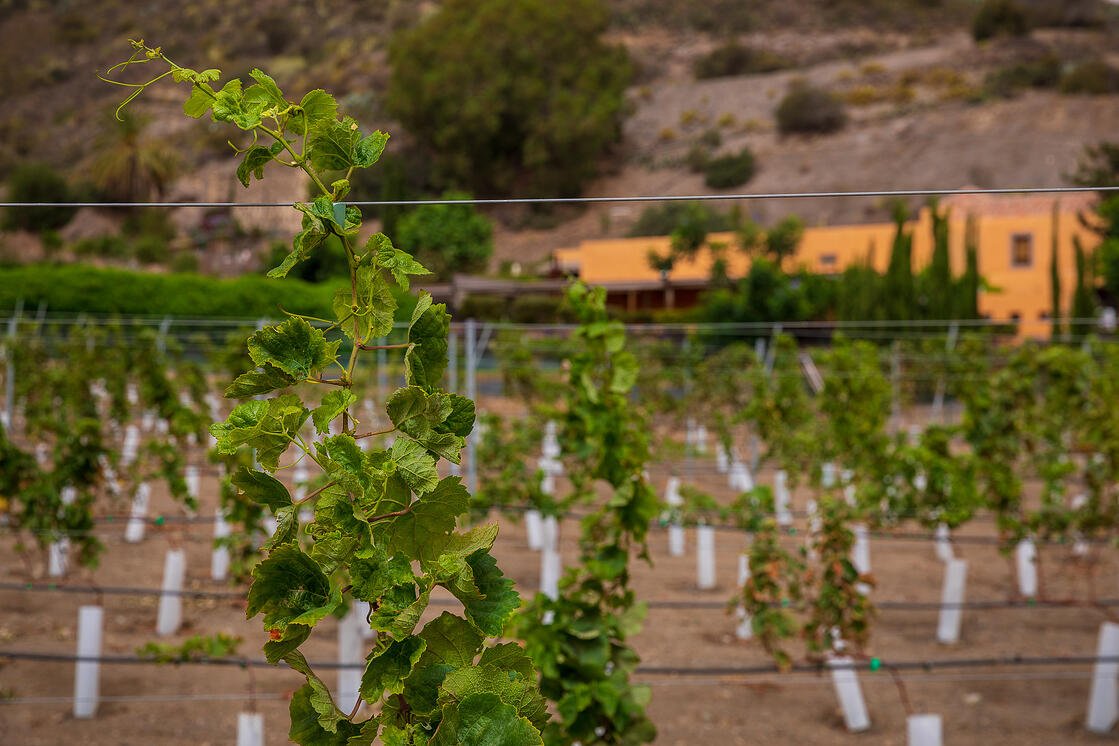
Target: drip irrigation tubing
{"x": 885, "y": 605}
{"x": 843, "y": 664}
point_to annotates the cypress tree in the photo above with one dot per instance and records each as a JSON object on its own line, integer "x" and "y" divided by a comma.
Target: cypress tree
{"x": 899, "y": 297}
{"x": 967, "y": 294}
{"x": 1055, "y": 274}
{"x": 940, "y": 268}
{"x": 1083, "y": 298}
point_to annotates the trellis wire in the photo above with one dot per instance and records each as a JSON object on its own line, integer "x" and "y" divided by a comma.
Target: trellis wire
{"x": 923, "y": 192}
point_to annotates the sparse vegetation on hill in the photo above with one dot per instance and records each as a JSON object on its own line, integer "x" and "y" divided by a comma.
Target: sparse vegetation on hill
{"x": 809, "y": 110}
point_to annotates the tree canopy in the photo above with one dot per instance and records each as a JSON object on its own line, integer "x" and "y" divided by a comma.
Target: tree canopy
{"x": 511, "y": 95}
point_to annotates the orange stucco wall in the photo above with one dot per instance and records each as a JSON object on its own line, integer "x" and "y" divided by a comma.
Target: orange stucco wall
{"x": 1024, "y": 291}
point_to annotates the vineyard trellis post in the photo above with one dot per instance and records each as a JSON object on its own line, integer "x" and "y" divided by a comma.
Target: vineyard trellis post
{"x": 10, "y": 373}
{"x": 938, "y": 397}
{"x": 469, "y": 341}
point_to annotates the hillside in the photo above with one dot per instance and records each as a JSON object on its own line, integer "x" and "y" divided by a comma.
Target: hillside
{"x": 922, "y": 108}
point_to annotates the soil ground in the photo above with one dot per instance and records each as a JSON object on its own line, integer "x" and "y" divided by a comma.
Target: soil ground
{"x": 980, "y": 705}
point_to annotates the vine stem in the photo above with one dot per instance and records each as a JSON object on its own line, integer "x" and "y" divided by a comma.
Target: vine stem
{"x": 357, "y": 706}
{"x": 314, "y": 494}
{"x": 370, "y": 348}
{"x": 372, "y": 433}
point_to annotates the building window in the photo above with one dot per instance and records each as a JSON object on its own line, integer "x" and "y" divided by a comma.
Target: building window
{"x": 1022, "y": 250}
{"x": 828, "y": 260}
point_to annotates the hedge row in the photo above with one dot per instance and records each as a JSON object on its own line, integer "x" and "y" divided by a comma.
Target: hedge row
{"x": 83, "y": 289}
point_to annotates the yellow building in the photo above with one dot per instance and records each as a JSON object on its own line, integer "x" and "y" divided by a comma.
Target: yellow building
{"x": 1015, "y": 238}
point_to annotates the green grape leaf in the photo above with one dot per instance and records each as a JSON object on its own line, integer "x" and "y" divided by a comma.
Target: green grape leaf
{"x": 427, "y": 358}
{"x": 461, "y": 419}
{"x": 306, "y": 727}
{"x": 262, "y": 488}
{"x": 509, "y": 656}
{"x": 386, "y": 669}
{"x": 451, "y": 640}
{"x": 396, "y": 615}
{"x": 367, "y": 734}
{"x": 230, "y": 105}
{"x": 332, "y": 550}
{"x": 421, "y": 532}
{"x": 328, "y": 714}
{"x": 293, "y": 346}
{"x": 512, "y": 688}
{"x": 265, "y": 92}
{"x": 291, "y": 638}
{"x": 254, "y": 161}
{"x": 267, "y": 378}
{"x": 417, "y": 414}
{"x": 290, "y": 588}
{"x": 369, "y": 149}
{"x": 287, "y": 528}
{"x": 331, "y": 144}
{"x": 484, "y": 719}
{"x": 450, "y": 554}
{"x": 305, "y": 243}
{"x": 373, "y": 576}
{"x": 332, "y": 406}
{"x": 373, "y": 313}
{"x": 316, "y": 109}
{"x": 268, "y": 426}
{"x": 412, "y": 463}
{"x": 400, "y": 264}
{"x": 200, "y": 102}
{"x": 498, "y": 602}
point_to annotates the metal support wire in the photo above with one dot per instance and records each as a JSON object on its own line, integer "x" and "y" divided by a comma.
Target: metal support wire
{"x": 922, "y": 192}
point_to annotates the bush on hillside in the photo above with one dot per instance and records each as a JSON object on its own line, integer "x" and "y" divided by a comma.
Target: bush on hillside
{"x": 1008, "y": 81}
{"x": 663, "y": 219}
{"x": 999, "y": 18}
{"x": 809, "y": 110}
{"x": 447, "y": 239}
{"x": 34, "y": 182}
{"x": 733, "y": 58}
{"x": 1094, "y": 77}
{"x": 502, "y": 115}
{"x": 726, "y": 171}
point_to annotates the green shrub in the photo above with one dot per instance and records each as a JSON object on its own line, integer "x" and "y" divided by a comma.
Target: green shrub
{"x": 77, "y": 288}
{"x": 503, "y": 115}
{"x": 1094, "y": 77}
{"x": 150, "y": 250}
{"x": 733, "y": 58}
{"x": 728, "y": 171}
{"x": 447, "y": 238}
{"x": 183, "y": 262}
{"x": 806, "y": 109}
{"x": 482, "y": 308}
{"x": 533, "y": 308}
{"x": 1007, "y": 81}
{"x": 661, "y": 220}
{"x": 149, "y": 223}
{"x": 34, "y": 182}
{"x": 103, "y": 247}
{"x": 999, "y": 18}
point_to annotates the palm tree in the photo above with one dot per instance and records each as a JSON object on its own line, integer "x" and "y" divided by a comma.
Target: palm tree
{"x": 128, "y": 166}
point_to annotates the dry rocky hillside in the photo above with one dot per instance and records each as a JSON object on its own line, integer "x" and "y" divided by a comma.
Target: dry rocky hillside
{"x": 916, "y": 86}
